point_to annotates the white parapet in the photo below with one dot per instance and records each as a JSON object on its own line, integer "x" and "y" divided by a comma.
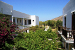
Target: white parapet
{"x": 72, "y": 49}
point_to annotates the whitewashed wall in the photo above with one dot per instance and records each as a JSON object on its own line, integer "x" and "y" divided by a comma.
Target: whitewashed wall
{"x": 20, "y": 14}
{"x": 33, "y": 18}
{"x": 26, "y": 16}
{"x": 70, "y": 6}
{"x": 6, "y": 8}
{"x": 37, "y": 20}
{"x": 0, "y": 6}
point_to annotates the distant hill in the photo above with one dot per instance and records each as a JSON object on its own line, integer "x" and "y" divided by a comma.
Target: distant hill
{"x": 58, "y": 18}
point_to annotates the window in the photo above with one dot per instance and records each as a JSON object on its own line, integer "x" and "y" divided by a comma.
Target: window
{"x": 67, "y": 45}
{"x": 17, "y": 20}
{"x": 1, "y": 10}
{"x": 11, "y": 11}
{"x": 33, "y": 20}
{"x": 29, "y": 21}
{"x": 26, "y": 31}
{"x": 65, "y": 21}
{"x": 25, "y": 22}
{"x": 14, "y": 20}
{"x": 20, "y": 20}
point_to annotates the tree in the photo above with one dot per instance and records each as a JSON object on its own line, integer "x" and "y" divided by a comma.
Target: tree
{"x": 58, "y": 23}
{"x": 52, "y": 23}
{"x": 49, "y": 22}
{"x": 40, "y": 22}
{"x": 45, "y": 23}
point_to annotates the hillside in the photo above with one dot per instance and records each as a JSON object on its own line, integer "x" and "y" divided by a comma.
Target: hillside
{"x": 58, "y": 18}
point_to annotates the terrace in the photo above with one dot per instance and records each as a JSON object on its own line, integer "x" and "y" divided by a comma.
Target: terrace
{"x": 67, "y": 35}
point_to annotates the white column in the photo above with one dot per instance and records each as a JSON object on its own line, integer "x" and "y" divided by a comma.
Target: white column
{"x": 31, "y": 22}
{"x": 23, "y": 23}
{"x": 16, "y": 21}
{"x": 72, "y": 35}
{"x": 27, "y": 31}
{"x": 12, "y": 19}
{"x": 68, "y": 34}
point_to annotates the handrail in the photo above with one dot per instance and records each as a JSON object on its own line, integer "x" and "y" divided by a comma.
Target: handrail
{"x": 68, "y": 33}
{"x": 61, "y": 27}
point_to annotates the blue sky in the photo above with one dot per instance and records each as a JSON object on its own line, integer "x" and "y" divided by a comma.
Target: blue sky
{"x": 45, "y": 9}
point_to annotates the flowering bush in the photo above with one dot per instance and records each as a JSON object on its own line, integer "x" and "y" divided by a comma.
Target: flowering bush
{"x": 6, "y": 29}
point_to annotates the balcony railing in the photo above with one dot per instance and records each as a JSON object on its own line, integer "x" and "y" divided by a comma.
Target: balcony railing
{"x": 68, "y": 34}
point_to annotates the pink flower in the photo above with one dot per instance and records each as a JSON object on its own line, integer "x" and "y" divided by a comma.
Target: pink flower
{"x": 14, "y": 23}
{"x": 4, "y": 29}
{"x": 12, "y": 34}
{"x": 11, "y": 30}
{"x": 13, "y": 39}
{"x": 10, "y": 21}
{"x": 3, "y": 42}
{"x": 17, "y": 28}
{"x": 6, "y": 33}
{"x": 4, "y": 18}
{"x": 3, "y": 22}
{"x": 0, "y": 31}
{"x": 1, "y": 37}
{"x": 2, "y": 34}
{"x": 0, "y": 21}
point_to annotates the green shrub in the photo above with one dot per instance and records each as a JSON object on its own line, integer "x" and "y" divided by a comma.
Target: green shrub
{"x": 50, "y": 29}
{"x": 37, "y": 40}
{"x": 34, "y": 28}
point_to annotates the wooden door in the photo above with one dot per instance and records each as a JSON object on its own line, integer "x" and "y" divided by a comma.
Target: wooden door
{"x": 73, "y": 21}
{"x": 65, "y": 21}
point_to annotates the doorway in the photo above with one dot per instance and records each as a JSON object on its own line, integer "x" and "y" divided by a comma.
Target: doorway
{"x": 29, "y": 21}
{"x": 73, "y": 21}
{"x": 65, "y": 21}
{"x": 25, "y": 22}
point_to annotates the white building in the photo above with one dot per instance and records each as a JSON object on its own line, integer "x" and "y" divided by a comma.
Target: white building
{"x": 21, "y": 19}
{"x": 67, "y": 32}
